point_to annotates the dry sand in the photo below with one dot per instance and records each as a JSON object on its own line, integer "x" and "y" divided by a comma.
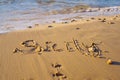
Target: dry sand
{"x": 72, "y": 65}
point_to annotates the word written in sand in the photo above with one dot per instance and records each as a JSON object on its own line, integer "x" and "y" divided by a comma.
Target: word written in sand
{"x": 34, "y": 47}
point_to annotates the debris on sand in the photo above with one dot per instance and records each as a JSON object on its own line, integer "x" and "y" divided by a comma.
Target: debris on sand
{"x": 56, "y": 65}
{"x": 29, "y": 26}
{"x": 104, "y": 20}
{"x": 109, "y": 61}
{"x": 50, "y": 26}
{"x": 73, "y": 20}
{"x": 77, "y": 28}
{"x": 111, "y": 23}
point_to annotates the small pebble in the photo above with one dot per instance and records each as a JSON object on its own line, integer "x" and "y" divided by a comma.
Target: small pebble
{"x": 116, "y": 16}
{"x": 29, "y": 26}
{"x": 50, "y": 26}
{"x": 111, "y": 23}
{"x": 54, "y": 21}
{"x": 64, "y": 22}
{"x": 99, "y": 19}
{"x": 108, "y": 9}
{"x": 93, "y": 18}
{"x": 87, "y": 20}
{"x": 109, "y": 61}
{"x": 77, "y": 28}
{"x": 73, "y": 20}
{"x": 104, "y": 20}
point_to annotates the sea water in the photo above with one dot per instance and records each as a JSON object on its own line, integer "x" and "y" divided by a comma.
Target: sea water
{"x": 19, "y": 14}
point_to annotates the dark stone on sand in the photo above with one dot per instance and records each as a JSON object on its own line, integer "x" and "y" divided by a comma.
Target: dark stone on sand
{"x": 87, "y": 20}
{"x": 111, "y": 23}
{"x": 77, "y": 28}
{"x": 104, "y": 20}
{"x": 54, "y": 21}
{"x": 73, "y": 20}
{"x": 116, "y": 16}
{"x": 50, "y": 26}
{"x": 29, "y": 26}
{"x": 64, "y": 22}
{"x": 48, "y": 42}
{"x": 92, "y": 18}
{"x": 99, "y": 19}
{"x": 108, "y": 9}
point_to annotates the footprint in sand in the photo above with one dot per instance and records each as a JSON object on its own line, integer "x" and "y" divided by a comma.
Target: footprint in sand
{"x": 56, "y": 65}
{"x": 59, "y": 74}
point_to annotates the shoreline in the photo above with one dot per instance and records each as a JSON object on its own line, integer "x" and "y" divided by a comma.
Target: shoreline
{"x": 70, "y": 21}
{"x": 30, "y": 19}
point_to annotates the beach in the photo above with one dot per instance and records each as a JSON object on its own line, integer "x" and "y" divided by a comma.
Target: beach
{"x": 59, "y": 40}
{"x": 20, "y": 14}
{"x": 63, "y": 51}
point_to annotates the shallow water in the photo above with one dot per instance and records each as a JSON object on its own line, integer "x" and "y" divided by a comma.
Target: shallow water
{"x": 48, "y": 5}
{"x": 100, "y": 3}
{"x": 19, "y": 14}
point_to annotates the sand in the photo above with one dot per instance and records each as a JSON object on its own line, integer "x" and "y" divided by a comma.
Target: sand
{"x": 64, "y": 64}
